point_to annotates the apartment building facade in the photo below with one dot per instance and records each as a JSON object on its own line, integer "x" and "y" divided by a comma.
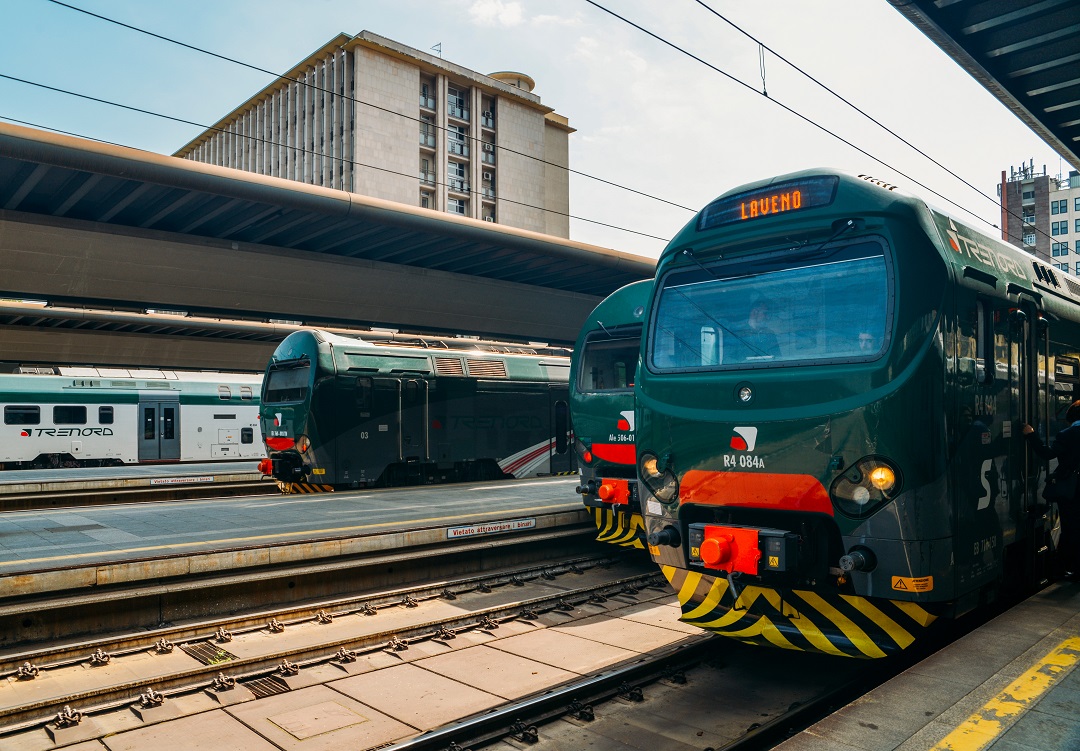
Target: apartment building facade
{"x": 1041, "y": 214}
{"x": 367, "y": 115}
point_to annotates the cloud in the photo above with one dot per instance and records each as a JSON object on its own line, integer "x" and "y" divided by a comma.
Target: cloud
{"x": 497, "y": 13}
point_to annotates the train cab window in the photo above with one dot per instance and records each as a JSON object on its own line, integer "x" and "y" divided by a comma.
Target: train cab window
{"x": 247, "y": 435}
{"x": 224, "y": 392}
{"x": 69, "y": 415}
{"x": 105, "y": 415}
{"x": 245, "y": 393}
{"x": 288, "y": 384}
{"x": 782, "y": 308}
{"x": 22, "y": 415}
{"x": 609, "y": 360}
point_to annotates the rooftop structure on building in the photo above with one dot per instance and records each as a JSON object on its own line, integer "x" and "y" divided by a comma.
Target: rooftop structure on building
{"x": 367, "y": 115}
{"x": 1041, "y": 214}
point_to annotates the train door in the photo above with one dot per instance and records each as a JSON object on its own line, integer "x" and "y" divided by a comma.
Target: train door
{"x": 159, "y": 430}
{"x": 561, "y": 456}
{"x": 1032, "y": 384}
{"x": 413, "y": 419}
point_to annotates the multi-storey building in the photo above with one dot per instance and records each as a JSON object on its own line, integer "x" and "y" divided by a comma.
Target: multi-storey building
{"x": 368, "y": 115}
{"x": 1041, "y": 214}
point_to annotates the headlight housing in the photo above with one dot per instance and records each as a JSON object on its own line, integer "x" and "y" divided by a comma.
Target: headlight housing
{"x": 866, "y": 486}
{"x": 658, "y": 477}
{"x": 583, "y": 451}
{"x": 303, "y": 443}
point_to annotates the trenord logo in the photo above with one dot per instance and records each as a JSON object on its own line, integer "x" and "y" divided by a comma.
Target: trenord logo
{"x": 745, "y": 439}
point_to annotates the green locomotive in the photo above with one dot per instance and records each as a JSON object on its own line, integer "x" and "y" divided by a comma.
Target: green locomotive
{"x": 832, "y": 384}
{"x": 341, "y": 412}
{"x": 602, "y": 374}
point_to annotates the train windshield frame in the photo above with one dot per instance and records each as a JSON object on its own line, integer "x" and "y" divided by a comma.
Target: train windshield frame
{"x": 779, "y": 309}
{"x": 609, "y": 360}
{"x": 287, "y": 382}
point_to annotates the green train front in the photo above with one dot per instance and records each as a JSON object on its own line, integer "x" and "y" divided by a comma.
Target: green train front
{"x": 341, "y": 412}
{"x": 832, "y": 383}
{"x": 602, "y": 374}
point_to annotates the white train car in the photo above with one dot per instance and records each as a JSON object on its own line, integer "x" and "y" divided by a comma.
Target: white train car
{"x": 91, "y": 417}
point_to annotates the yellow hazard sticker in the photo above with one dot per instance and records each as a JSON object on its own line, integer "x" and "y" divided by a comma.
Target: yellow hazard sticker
{"x": 913, "y": 584}
{"x": 694, "y": 552}
{"x": 774, "y": 561}
{"x": 318, "y": 471}
{"x": 654, "y": 550}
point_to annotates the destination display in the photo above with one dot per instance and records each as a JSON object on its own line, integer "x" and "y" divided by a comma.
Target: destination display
{"x": 809, "y": 193}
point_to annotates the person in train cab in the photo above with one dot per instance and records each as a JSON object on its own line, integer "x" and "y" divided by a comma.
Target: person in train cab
{"x": 1066, "y": 449}
{"x": 757, "y": 338}
{"x": 867, "y": 343}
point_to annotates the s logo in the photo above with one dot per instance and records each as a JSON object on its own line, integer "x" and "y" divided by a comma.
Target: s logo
{"x": 745, "y": 439}
{"x": 277, "y": 419}
{"x": 626, "y": 420}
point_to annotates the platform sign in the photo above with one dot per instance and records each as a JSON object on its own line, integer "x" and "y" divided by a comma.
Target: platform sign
{"x": 490, "y": 528}
{"x": 180, "y": 480}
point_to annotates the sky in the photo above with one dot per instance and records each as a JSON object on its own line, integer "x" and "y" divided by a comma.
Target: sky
{"x": 648, "y": 116}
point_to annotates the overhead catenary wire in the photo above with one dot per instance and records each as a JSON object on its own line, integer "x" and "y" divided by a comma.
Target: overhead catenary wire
{"x": 305, "y": 151}
{"x": 791, "y": 110}
{"x": 762, "y": 48}
{"x": 372, "y": 105}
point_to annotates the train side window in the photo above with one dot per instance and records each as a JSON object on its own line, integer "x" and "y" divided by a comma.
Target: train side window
{"x": 22, "y": 415}
{"x": 984, "y": 343}
{"x": 247, "y": 435}
{"x": 69, "y": 415}
{"x": 363, "y": 393}
{"x": 224, "y": 392}
{"x": 105, "y": 415}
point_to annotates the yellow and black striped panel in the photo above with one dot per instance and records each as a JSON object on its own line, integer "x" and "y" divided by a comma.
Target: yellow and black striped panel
{"x": 294, "y": 488}
{"x": 830, "y": 623}
{"x": 619, "y": 527}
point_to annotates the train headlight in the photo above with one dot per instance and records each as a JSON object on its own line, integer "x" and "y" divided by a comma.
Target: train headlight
{"x": 660, "y": 480}
{"x": 583, "y": 451}
{"x": 866, "y": 486}
{"x": 303, "y": 443}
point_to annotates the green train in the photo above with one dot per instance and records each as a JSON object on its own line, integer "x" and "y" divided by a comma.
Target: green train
{"x": 833, "y": 380}
{"x": 342, "y": 412}
{"x": 602, "y": 374}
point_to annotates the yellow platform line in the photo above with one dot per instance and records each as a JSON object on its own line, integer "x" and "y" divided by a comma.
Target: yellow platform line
{"x": 1000, "y": 713}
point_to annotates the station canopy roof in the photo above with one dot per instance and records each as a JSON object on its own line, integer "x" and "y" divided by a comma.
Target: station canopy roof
{"x": 1027, "y": 54}
{"x": 61, "y": 177}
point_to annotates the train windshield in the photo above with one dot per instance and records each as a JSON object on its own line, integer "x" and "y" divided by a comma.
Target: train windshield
{"x": 287, "y": 384}
{"x": 609, "y": 359}
{"x": 778, "y": 309}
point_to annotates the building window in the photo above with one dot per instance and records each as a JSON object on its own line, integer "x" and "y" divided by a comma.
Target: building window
{"x": 1059, "y": 228}
{"x": 425, "y": 200}
{"x": 1077, "y": 227}
{"x": 427, "y": 174}
{"x": 1029, "y": 239}
{"x": 1059, "y": 207}
{"x": 1029, "y": 218}
{"x": 457, "y": 206}
{"x": 427, "y": 131}
{"x": 1078, "y": 268}
{"x": 1076, "y": 204}
{"x": 1061, "y": 267}
{"x": 1029, "y": 195}
{"x": 456, "y": 103}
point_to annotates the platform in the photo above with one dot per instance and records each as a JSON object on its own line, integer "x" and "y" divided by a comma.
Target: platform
{"x": 86, "y": 547}
{"x": 79, "y": 479}
{"x": 1011, "y": 685}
